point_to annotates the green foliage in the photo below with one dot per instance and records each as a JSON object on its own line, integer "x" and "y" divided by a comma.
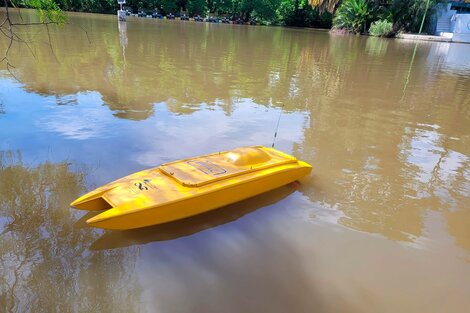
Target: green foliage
{"x": 352, "y": 15}
{"x": 197, "y": 7}
{"x": 287, "y": 8}
{"x": 97, "y": 6}
{"x": 381, "y": 28}
{"x": 168, "y": 6}
{"x": 219, "y": 7}
{"x": 48, "y": 10}
{"x": 265, "y": 11}
{"x": 407, "y": 14}
{"x": 325, "y": 5}
{"x": 300, "y": 13}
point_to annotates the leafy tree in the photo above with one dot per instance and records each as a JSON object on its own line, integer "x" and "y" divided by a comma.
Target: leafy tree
{"x": 300, "y": 13}
{"x": 288, "y": 12}
{"x": 197, "y": 7}
{"x": 265, "y": 11}
{"x": 221, "y": 6}
{"x": 352, "y": 15}
{"x": 325, "y": 5}
{"x": 48, "y": 10}
{"x": 168, "y": 6}
{"x": 407, "y": 14}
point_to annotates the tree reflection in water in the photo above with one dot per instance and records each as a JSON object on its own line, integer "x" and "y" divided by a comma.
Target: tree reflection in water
{"x": 45, "y": 263}
{"x": 385, "y": 175}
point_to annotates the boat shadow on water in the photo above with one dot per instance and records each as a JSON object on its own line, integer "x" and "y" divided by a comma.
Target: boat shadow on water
{"x": 114, "y": 239}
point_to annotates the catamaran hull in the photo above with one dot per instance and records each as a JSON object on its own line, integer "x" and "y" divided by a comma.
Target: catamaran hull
{"x": 188, "y": 187}
{"x": 199, "y": 204}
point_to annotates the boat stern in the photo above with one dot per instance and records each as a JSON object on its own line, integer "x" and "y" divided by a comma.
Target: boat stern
{"x": 92, "y": 201}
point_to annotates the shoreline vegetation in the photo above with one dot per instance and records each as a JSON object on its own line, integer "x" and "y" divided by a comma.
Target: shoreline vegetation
{"x": 384, "y": 18}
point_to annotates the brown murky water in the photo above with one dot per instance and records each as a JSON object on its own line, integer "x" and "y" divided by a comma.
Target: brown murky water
{"x": 382, "y": 225}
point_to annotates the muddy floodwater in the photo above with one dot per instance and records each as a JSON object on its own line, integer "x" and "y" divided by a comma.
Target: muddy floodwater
{"x": 381, "y": 225}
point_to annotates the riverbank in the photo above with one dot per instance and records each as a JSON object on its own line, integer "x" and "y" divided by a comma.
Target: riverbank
{"x": 449, "y": 38}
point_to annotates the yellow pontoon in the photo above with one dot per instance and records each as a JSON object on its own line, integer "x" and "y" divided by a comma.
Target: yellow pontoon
{"x": 191, "y": 186}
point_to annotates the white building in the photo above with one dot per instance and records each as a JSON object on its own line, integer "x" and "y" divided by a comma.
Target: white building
{"x": 453, "y": 21}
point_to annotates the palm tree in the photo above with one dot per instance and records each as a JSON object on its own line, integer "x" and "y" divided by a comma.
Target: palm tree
{"x": 324, "y": 5}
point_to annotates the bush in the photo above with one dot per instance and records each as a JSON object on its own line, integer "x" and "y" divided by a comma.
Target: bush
{"x": 408, "y": 14}
{"x": 197, "y": 7}
{"x": 301, "y": 14}
{"x": 381, "y": 28}
{"x": 352, "y": 15}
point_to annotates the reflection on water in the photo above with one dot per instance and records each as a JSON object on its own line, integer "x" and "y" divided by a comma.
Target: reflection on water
{"x": 458, "y": 222}
{"x": 44, "y": 260}
{"x": 186, "y": 227}
{"x": 385, "y": 124}
{"x": 376, "y": 46}
{"x": 63, "y": 117}
{"x": 384, "y": 183}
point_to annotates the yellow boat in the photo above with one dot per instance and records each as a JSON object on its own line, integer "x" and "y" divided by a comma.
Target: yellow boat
{"x": 188, "y": 187}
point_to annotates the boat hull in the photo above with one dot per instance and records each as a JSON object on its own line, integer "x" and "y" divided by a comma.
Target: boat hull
{"x": 182, "y": 197}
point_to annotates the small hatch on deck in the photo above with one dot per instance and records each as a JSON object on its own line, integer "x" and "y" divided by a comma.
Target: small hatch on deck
{"x": 247, "y": 156}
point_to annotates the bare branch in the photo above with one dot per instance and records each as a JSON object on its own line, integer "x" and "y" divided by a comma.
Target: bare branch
{"x": 19, "y": 13}
{"x": 4, "y": 21}
{"x": 9, "y": 29}
{"x": 33, "y": 23}
{"x": 9, "y": 67}
{"x": 21, "y": 40}
{"x": 50, "y": 43}
{"x": 13, "y": 35}
{"x": 10, "y": 36}
{"x": 83, "y": 29}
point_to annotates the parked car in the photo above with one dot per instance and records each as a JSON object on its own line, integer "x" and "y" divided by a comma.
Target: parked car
{"x": 184, "y": 17}
{"x": 198, "y": 18}
{"x": 155, "y": 14}
{"x": 212, "y": 19}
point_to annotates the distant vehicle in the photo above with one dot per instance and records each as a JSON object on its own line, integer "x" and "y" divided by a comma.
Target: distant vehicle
{"x": 212, "y": 19}
{"x": 238, "y": 21}
{"x": 141, "y": 14}
{"x": 198, "y": 18}
{"x": 184, "y": 17}
{"x": 155, "y": 14}
{"x": 225, "y": 20}
{"x": 170, "y": 16}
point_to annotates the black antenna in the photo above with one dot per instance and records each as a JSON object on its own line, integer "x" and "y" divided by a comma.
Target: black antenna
{"x": 277, "y": 126}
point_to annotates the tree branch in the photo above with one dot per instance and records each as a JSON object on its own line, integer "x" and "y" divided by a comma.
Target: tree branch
{"x": 34, "y": 23}
{"x": 7, "y": 28}
{"x": 50, "y": 43}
